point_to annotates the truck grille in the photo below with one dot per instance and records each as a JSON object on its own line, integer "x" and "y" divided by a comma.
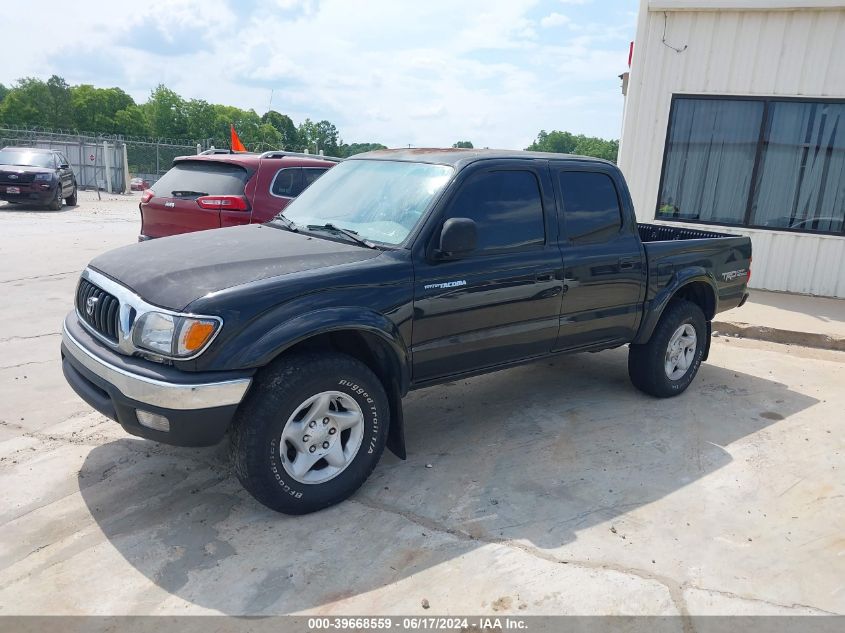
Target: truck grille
{"x": 104, "y": 309}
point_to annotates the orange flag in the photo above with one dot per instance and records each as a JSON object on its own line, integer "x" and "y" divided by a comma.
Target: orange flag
{"x": 237, "y": 146}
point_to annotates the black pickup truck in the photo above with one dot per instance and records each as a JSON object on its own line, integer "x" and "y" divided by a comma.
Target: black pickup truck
{"x": 397, "y": 270}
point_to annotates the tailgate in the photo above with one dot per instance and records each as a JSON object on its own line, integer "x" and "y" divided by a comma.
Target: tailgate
{"x": 170, "y": 206}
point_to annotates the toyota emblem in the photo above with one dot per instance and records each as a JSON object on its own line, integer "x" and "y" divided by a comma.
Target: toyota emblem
{"x": 90, "y": 304}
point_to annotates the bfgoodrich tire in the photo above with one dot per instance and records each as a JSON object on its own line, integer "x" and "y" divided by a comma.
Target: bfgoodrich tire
{"x": 310, "y": 431}
{"x": 666, "y": 365}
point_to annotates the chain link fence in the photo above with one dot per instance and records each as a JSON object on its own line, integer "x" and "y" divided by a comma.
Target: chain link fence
{"x": 150, "y": 159}
{"x": 104, "y": 162}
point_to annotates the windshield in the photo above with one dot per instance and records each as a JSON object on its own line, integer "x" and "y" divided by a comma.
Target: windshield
{"x": 380, "y": 200}
{"x": 25, "y": 158}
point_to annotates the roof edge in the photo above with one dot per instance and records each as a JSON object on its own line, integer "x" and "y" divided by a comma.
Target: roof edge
{"x": 743, "y": 5}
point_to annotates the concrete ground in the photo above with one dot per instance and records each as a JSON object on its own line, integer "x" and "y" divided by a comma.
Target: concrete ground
{"x": 787, "y": 318}
{"x": 553, "y": 488}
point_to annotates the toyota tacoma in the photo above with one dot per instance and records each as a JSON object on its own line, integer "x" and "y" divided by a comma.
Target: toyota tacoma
{"x": 398, "y": 269}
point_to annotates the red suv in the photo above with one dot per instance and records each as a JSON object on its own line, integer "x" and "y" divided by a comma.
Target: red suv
{"x": 218, "y": 189}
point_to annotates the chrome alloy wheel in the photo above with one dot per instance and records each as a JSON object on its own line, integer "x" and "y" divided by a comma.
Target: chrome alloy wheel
{"x": 680, "y": 352}
{"x": 322, "y": 437}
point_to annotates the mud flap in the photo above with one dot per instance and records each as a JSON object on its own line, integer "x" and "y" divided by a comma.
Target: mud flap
{"x": 396, "y": 430}
{"x": 707, "y": 342}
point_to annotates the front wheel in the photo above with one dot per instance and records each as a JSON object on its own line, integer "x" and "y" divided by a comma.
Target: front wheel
{"x": 72, "y": 198}
{"x": 57, "y": 201}
{"x": 666, "y": 365}
{"x": 310, "y": 431}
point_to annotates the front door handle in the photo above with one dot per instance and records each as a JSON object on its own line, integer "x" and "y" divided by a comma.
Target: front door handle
{"x": 626, "y": 263}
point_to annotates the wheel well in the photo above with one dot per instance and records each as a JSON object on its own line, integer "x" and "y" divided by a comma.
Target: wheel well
{"x": 368, "y": 348}
{"x": 376, "y": 354}
{"x": 701, "y": 294}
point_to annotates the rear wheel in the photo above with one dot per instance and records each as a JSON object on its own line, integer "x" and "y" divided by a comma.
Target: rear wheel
{"x": 71, "y": 199}
{"x": 310, "y": 431}
{"x": 57, "y": 201}
{"x": 667, "y": 364}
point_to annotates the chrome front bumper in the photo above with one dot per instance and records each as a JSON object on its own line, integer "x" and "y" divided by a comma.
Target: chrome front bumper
{"x": 157, "y": 393}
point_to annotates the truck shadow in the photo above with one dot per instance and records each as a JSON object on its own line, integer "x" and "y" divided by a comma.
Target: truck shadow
{"x": 537, "y": 454}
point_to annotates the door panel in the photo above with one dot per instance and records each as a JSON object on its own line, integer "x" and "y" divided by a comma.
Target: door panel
{"x": 275, "y": 189}
{"x": 502, "y": 303}
{"x": 603, "y": 263}
{"x": 502, "y": 309}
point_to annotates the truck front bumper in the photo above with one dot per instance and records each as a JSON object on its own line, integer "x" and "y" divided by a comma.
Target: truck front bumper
{"x": 176, "y": 407}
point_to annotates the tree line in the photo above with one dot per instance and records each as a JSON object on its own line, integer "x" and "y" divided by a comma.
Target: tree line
{"x": 165, "y": 115}
{"x": 84, "y": 108}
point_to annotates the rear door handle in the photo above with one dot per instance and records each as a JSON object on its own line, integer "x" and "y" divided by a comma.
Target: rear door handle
{"x": 626, "y": 263}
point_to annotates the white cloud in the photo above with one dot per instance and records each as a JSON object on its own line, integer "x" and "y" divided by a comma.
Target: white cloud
{"x": 424, "y": 73}
{"x": 554, "y": 19}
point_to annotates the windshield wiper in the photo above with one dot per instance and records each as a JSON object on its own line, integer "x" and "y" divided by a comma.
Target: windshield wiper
{"x": 290, "y": 225}
{"x": 184, "y": 193}
{"x": 352, "y": 235}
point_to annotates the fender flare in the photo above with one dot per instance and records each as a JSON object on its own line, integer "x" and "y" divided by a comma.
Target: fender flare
{"x": 264, "y": 349}
{"x": 654, "y": 309}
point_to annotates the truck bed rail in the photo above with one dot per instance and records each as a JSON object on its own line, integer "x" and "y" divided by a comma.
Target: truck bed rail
{"x": 665, "y": 233}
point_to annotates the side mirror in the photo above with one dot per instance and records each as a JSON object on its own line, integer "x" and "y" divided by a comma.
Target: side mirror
{"x": 64, "y": 166}
{"x": 458, "y": 238}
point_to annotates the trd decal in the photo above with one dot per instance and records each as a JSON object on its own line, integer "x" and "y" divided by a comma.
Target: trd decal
{"x": 730, "y": 276}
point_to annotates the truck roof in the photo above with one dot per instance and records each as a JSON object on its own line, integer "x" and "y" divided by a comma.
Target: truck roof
{"x": 459, "y": 157}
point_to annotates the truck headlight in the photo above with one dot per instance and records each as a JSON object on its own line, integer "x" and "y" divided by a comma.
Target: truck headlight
{"x": 173, "y": 335}
{"x": 43, "y": 177}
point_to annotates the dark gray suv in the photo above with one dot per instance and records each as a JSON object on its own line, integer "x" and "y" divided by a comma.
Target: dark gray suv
{"x": 37, "y": 176}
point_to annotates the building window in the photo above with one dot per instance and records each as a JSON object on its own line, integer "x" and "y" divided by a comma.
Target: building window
{"x": 762, "y": 163}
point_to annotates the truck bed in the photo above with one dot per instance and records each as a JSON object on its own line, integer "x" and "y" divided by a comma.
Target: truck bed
{"x": 673, "y": 251}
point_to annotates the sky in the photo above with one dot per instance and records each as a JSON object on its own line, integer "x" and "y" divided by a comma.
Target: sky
{"x": 398, "y": 72}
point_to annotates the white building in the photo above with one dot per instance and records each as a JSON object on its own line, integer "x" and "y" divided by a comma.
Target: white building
{"x": 735, "y": 117}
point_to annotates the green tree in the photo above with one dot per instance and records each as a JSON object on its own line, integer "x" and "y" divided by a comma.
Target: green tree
{"x": 285, "y": 126}
{"x": 131, "y": 121}
{"x": 321, "y": 135}
{"x": 94, "y": 109}
{"x": 246, "y": 122}
{"x": 201, "y": 117}
{"x": 567, "y": 143}
{"x": 3, "y": 92}
{"x": 59, "y": 103}
{"x": 166, "y": 114}
{"x": 464, "y": 144}
{"x": 35, "y": 102}
{"x": 358, "y": 148}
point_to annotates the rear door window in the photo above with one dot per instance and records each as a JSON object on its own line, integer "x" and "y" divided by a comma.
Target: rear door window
{"x": 591, "y": 210}
{"x": 286, "y": 183}
{"x": 191, "y": 179}
{"x": 309, "y": 175}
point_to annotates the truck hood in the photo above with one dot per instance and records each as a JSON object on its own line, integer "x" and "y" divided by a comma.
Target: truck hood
{"x": 174, "y": 271}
